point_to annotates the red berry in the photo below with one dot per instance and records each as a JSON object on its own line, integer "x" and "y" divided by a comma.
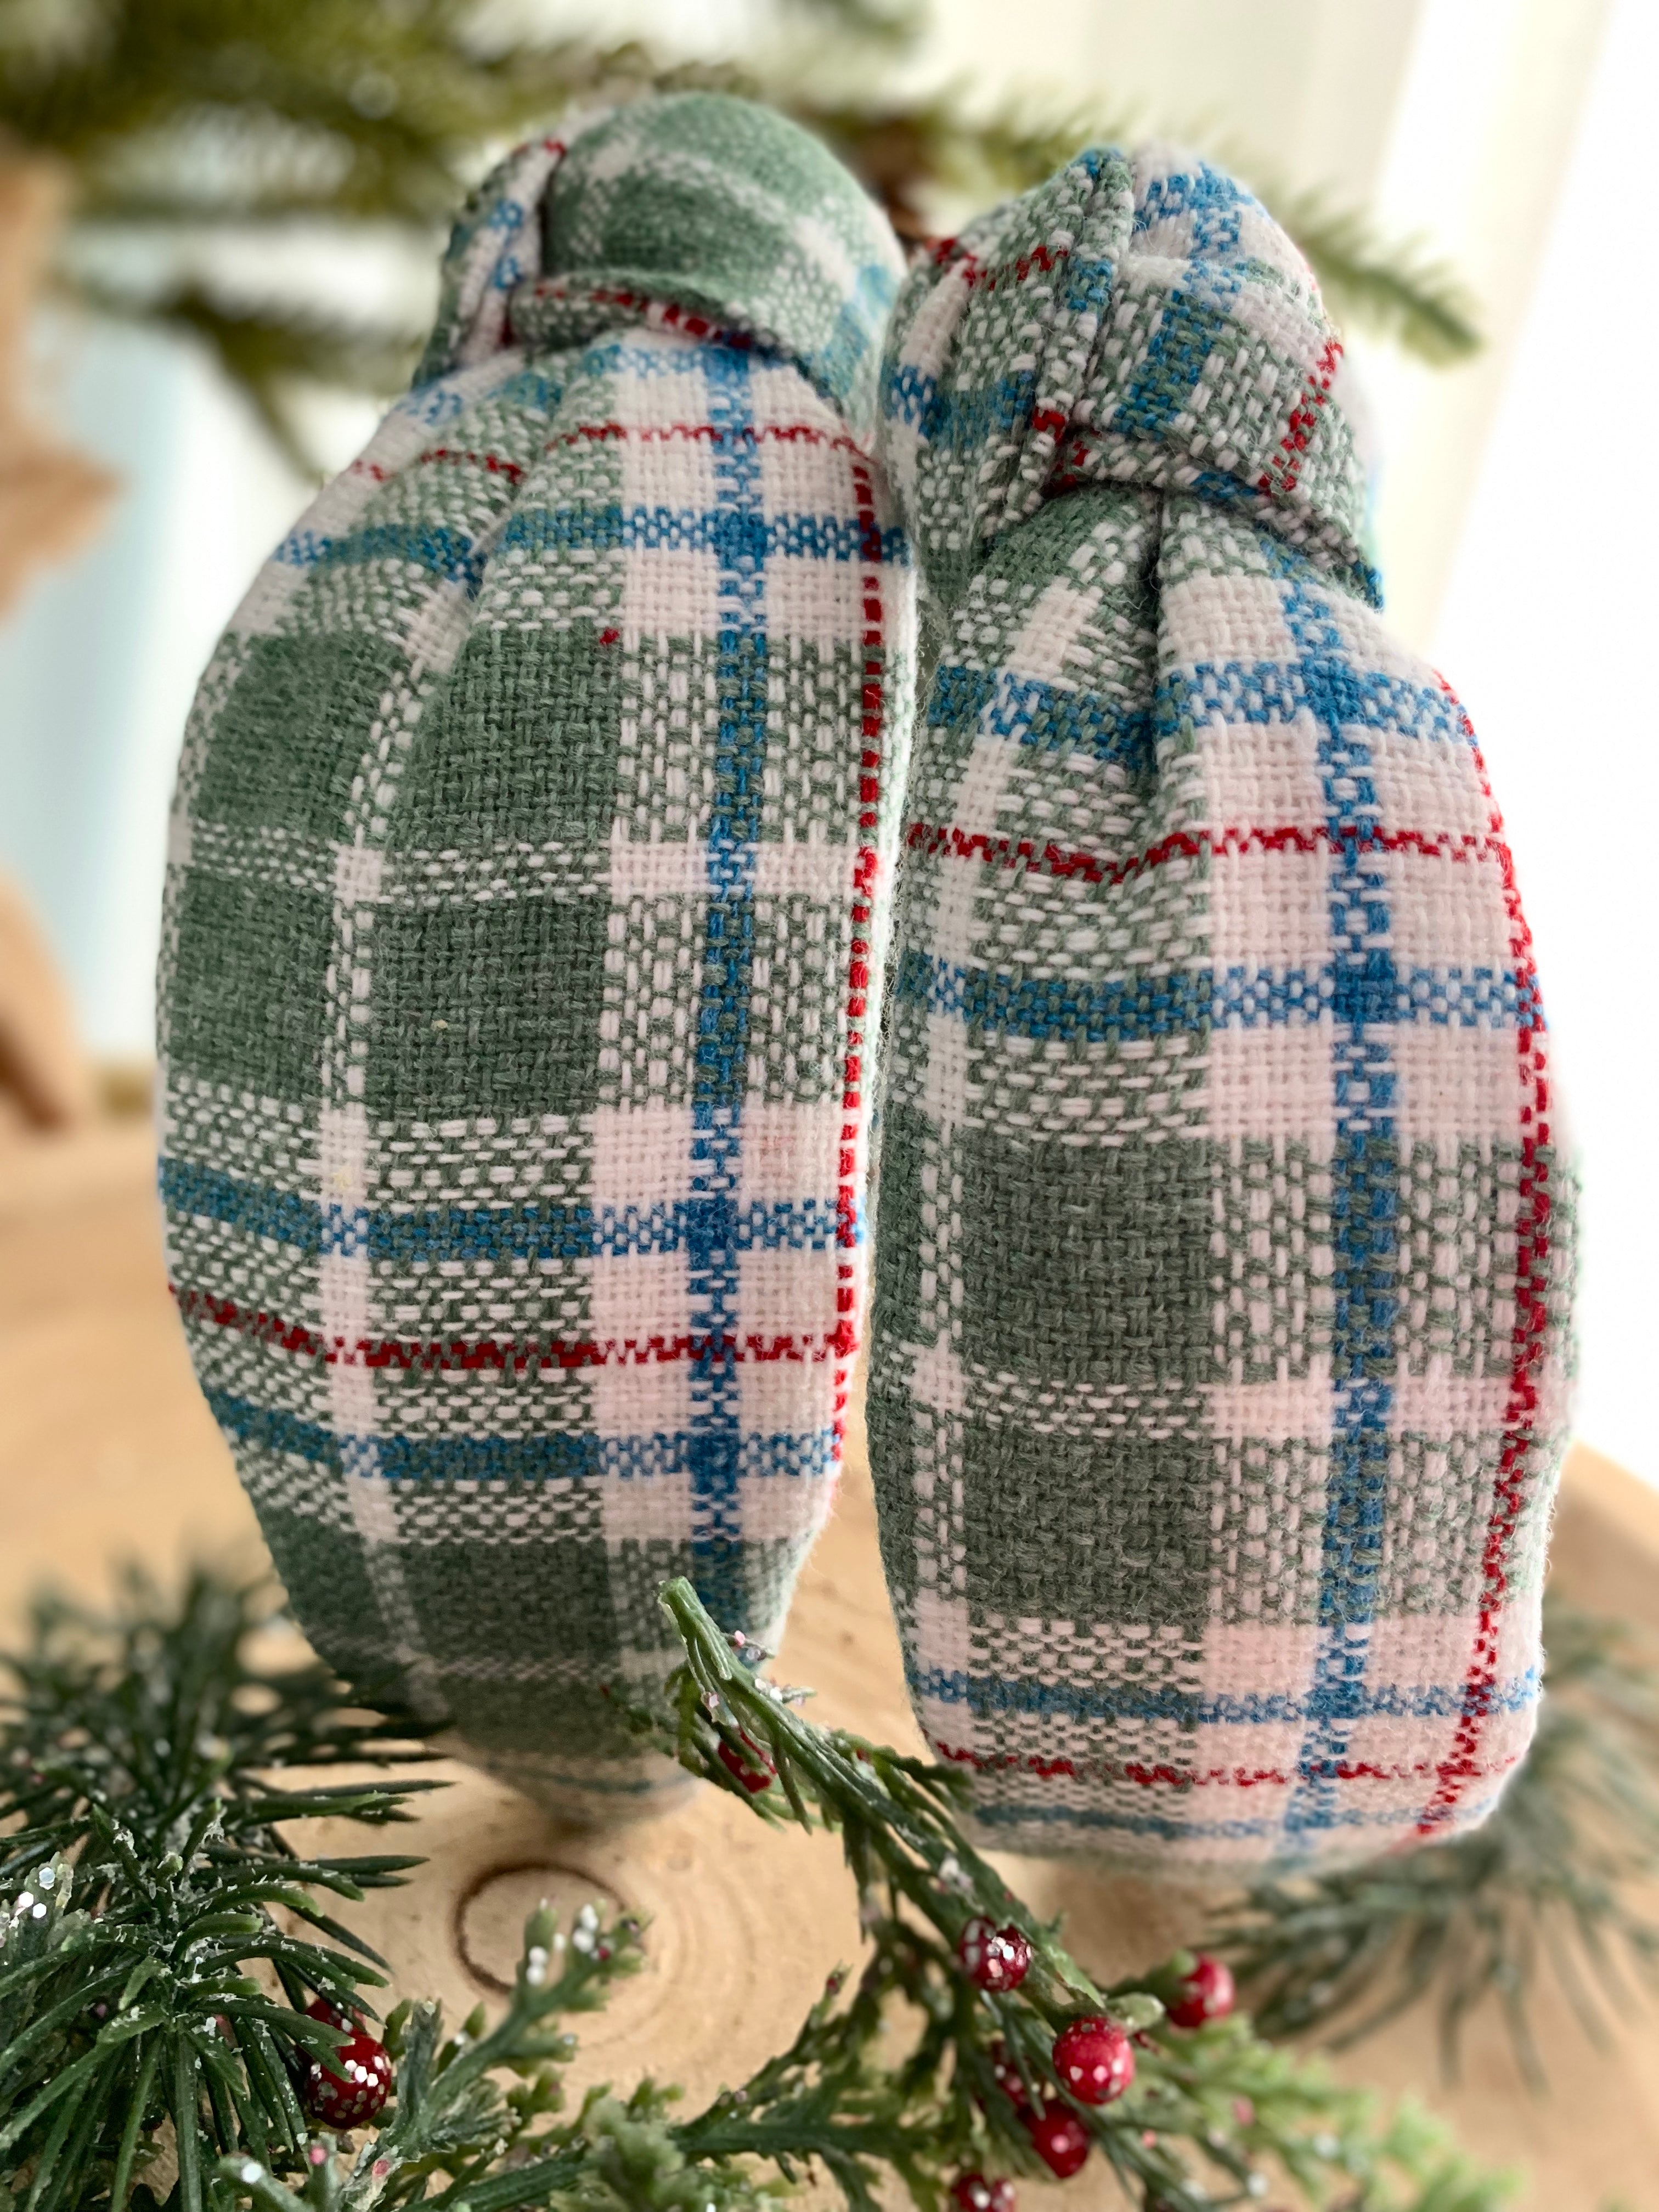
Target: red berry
{"x": 1094, "y": 2059}
{"x": 973, "y": 2193}
{"x": 1059, "y": 2139}
{"x": 755, "y": 1771}
{"x": 994, "y": 1958}
{"x": 1205, "y": 1994}
{"x": 352, "y": 2086}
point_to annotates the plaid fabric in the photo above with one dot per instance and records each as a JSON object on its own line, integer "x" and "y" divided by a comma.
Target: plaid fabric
{"x": 531, "y": 825}
{"x": 1217, "y": 1370}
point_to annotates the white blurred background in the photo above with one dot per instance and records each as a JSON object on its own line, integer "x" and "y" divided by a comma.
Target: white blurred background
{"x": 1512, "y": 518}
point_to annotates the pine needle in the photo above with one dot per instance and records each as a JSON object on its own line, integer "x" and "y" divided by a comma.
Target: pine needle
{"x": 1395, "y": 288}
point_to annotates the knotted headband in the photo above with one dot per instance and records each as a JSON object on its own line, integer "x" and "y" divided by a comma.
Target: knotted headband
{"x": 1218, "y": 1370}
{"x": 526, "y": 907}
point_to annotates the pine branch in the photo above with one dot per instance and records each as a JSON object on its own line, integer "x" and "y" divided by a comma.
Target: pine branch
{"x": 893, "y": 25}
{"x": 1212, "y": 2111}
{"x": 1396, "y": 288}
{"x": 144, "y": 1974}
{"x": 153, "y": 1750}
{"x": 183, "y": 118}
{"x": 1548, "y": 1879}
{"x": 910, "y": 156}
{"x": 271, "y": 357}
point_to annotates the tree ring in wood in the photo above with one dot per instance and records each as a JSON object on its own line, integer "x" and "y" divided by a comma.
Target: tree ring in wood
{"x": 490, "y": 1913}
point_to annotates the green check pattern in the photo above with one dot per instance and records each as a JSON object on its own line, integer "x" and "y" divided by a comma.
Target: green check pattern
{"x": 1221, "y": 1356}
{"x": 525, "y": 910}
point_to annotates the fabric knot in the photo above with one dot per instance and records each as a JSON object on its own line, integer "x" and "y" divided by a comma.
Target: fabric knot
{"x": 1141, "y": 319}
{"x": 698, "y": 213}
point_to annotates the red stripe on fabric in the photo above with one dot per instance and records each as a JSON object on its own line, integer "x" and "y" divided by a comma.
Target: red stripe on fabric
{"x": 494, "y": 462}
{"x": 461, "y": 1356}
{"x": 975, "y": 273}
{"x": 937, "y": 840}
{"x": 1180, "y": 1778}
{"x": 1527, "y": 1347}
{"x": 1280, "y": 474}
{"x": 788, "y": 434}
{"x": 662, "y": 314}
{"x": 866, "y": 869}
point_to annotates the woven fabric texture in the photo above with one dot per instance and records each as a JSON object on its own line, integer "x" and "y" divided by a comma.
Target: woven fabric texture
{"x": 1219, "y": 1357}
{"x": 532, "y": 825}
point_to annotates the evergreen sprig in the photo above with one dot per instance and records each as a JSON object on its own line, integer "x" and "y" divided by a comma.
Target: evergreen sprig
{"x": 145, "y": 1976}
{"x": 1215, "y": 2115}
{"x": 199, "y": 134}
{"x": 1549, "y": 1881}
{"x": 202, "y": 134}
{"x": 149, "y": 1998}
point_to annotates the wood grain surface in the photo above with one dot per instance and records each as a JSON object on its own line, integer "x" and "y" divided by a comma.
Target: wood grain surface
{"x": 106, "y": 1450}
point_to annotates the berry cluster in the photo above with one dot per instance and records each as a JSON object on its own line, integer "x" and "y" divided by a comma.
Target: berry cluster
{"x": 1093, "y": 2058}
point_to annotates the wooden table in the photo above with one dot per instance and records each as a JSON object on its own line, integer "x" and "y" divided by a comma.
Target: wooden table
{"x": 107, "y": 1450}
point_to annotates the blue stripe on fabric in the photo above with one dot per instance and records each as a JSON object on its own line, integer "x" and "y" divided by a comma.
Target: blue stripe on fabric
{"x": 429, "y": 1460}
{"x": 541, "y": 530}
{"x": 1365, "y": 1203}
{"x": 956, "y": 696}
{"x": 1131, "y": 1701}
{"x": 1199, "y": 308}
{"x": 410, "y": 1459}
{"x": 1213, "y": 200}
{"x": 741, "y": 672}
{"x": 812, "y": 1456}
{"x": 450, "y": 554}
{"x": 1086, "y": 285}
{"x": 210, "y": 1194}
{"x": 581, "y": 1457}
{"x": 445, "y": 399}
{"x": 496, "y": 1235}
{"x": 837, "y": 364}
{"x": 731, "y": 536}
{"x": 1442, "y": 998}
{"x": 1331, "y": 689}
{"x": 1185, "y": 1001}
{"x": 1187, "y": 332}
{"x": 1051, "y": 716}
{"x": 659, "y": 356}
{"x": 1167, "y": 1004}
{"x": 1174, "y": 1831}
{"x": 588, "y": 1458}
{"x": 957, "y": 421}
{"x": 273, "y": 1429}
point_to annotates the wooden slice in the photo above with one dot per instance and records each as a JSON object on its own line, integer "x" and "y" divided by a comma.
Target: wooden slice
{"x": 105, "y": 1449}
